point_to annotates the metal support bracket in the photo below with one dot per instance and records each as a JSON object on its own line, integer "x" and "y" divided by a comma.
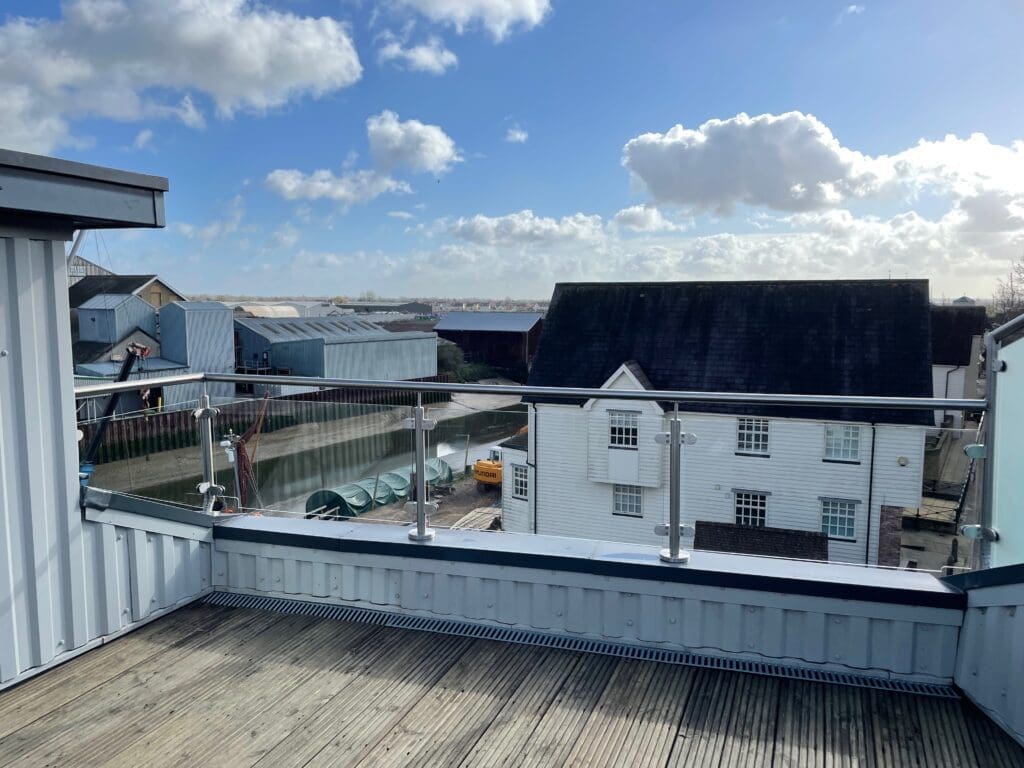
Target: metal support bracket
{"x": 684, "y": 529}
{"x": 427, "y": 424}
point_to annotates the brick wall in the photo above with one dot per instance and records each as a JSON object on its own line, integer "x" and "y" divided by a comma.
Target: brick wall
{"x": 889, "y": 529}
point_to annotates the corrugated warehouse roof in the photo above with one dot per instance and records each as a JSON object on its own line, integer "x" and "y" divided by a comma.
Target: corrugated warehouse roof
{"x": 506, "y": 322}
{"x": 106, "y": 301}
{"x": 332, "y": 330}
{"x": 814, "y": 337}
{"x": 193, "y": 306}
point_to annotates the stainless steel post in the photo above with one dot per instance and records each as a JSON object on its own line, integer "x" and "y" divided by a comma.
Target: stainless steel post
{"x": 420, "y": 427}
{"x": 675, "y": 439}
{"x": 209, "y": 488}
{"x": 675, "y": 436}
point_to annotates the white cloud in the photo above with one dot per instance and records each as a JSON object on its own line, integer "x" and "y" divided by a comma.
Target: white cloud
{"x": 109, "y": 59}
{"x": 286, "y": 236}
{"x": 792, "y": 162}
{"x": 499, "y": 17}
{"x": 230, "y": 222}
{"x": 348, "y": 188}
{"x": 525, "y": 227}
{"x": 411, "y": 145}
{"x": 431, "y": 56}
{"x": 850, "y": 10}
{"x": 645, "y": 218}
{"x": 516, "y": 135}
{"x": 403, "y": 215}
{"x": 789, "y": 162}
{"x": 394, "y": 145}
{"x": 142, "y": 139}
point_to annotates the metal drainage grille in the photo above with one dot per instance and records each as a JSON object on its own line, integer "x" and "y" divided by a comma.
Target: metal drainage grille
{"x": 563, "y": 642}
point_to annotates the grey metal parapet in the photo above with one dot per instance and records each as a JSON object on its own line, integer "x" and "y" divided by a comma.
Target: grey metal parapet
{"x": 38, "y": 191}
{"x": 828, "y": 401}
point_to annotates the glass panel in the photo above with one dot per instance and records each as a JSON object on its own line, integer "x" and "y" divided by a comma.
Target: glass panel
{"x": 496, "y": 463}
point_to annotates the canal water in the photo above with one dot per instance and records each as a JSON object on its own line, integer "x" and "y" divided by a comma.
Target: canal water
{"x": 285, "y": 481}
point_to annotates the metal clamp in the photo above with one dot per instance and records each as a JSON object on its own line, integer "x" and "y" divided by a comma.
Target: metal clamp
{"x": 684, "y": 530}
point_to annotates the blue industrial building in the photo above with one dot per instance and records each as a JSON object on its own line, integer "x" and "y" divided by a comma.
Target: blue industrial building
{"x": 333, "y": 347}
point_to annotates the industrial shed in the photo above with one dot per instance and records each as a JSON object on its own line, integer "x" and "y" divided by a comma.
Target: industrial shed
{"x": 198, "y": 334}
{"x": 504, "y": 340}
{"x": 332, "y": 347}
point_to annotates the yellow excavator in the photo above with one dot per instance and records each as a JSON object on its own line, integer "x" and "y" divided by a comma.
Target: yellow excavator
{"x": 487, "y": 472}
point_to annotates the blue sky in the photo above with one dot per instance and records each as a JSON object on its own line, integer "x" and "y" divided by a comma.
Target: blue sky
{"x": 812, "y": 165}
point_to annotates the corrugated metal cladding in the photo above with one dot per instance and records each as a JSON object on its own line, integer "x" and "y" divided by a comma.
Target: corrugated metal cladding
{"x": 990, "y": 663}
{"x": 338, "y": 348}
{"x": 64, "y": 582}
{"x": 201, "y": 335}
{"x": 907, "y": 642}
{"x": 111, "y": 317}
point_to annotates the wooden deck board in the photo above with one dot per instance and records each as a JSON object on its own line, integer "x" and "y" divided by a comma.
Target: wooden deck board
{"x": 242, "y": 688}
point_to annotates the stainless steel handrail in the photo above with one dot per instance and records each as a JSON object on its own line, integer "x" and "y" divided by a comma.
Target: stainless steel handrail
{"x": 554, "y": 393}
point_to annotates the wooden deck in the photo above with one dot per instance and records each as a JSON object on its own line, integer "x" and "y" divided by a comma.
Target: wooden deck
{"x": 220, "y": 686}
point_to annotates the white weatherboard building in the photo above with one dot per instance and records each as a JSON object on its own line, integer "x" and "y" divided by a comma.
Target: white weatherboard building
{"x": 957, "y": 333}
{"x": 595, "y": 470}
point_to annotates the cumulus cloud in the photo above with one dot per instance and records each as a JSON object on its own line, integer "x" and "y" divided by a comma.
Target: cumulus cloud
{"x": 789, "y": 162}
{"x": 498, "y": 17}
{"x": 394, "y": 145}
{"x": 142, "y": 139}
{"x": 409, "y": 144}
{"x": 431, "y": 56}
{"x": 403, "y": 215}
{"x": 645, "y": 218}
{"x": 106, "y": 58}
{"x": 347, "y": 189}
{"x": 793, "y": 163}
{"x": 516, "y": 135}
{"x": 525, "y": 227}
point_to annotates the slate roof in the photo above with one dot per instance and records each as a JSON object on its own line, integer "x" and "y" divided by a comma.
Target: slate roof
{"x": 841, "y": 337}
{"x": 953, "y": 328}
{"x": 85, "y": 352}
{"x": 750, "y": 540}
{"x": 506, "y": 322}
{"x": 519, "y": 442}
{"x": 94, "y": 285}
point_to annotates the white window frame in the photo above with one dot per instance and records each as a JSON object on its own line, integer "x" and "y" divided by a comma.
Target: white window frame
{"x": 750, "y": 507}
{"x": 842, "y": 443}
{"x": 839, "y": 518}
{"x": 752, "y": 436}
{"x": 520, "y": 481}
{"x": 627, "y": 500}
{"x": 624, "y": 430}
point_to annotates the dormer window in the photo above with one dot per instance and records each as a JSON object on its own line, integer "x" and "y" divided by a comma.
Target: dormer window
{"x": 623, "y": 429}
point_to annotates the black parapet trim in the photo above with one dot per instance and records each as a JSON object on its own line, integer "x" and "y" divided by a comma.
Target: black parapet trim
{"x": 990, "y": 577}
